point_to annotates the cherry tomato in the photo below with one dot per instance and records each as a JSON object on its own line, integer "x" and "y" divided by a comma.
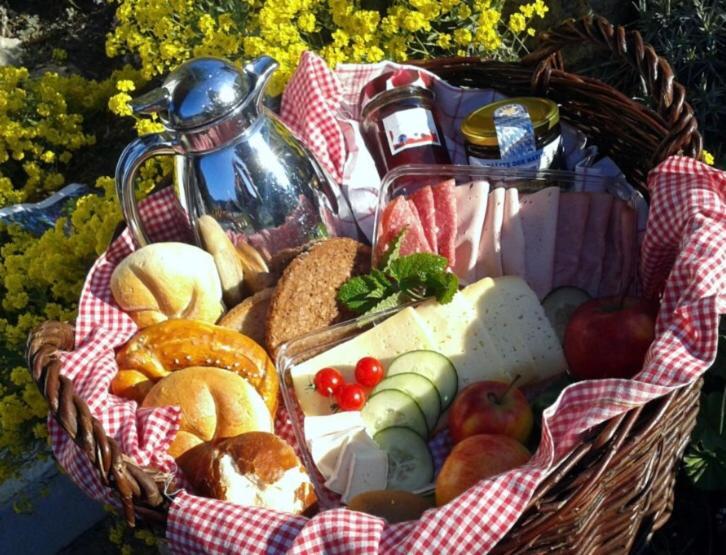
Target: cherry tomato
{"x": 351, "y": 397}
{"x": 328, "y": 381}
{"x": 369, "y": 371}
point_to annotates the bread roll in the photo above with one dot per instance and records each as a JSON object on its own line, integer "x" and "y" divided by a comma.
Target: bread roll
{"x": 256, "y": 468}
{"x": 229, "y": 265}
{"x": 164, "y": 348}
{"x": 168, "y": 280}
{"x": 249, "y": 317}
{"x": 214, "y": 404}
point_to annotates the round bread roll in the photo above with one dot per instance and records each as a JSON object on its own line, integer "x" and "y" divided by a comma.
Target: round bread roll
{"x": 168, "y": 280}
{"x": 256, "y": 468}
{"x": 214, "y": 404}
{"x": 249, "y": 317}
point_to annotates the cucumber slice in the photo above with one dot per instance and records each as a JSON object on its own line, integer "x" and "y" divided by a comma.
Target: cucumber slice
{"x": 559, "y": 304}
{"x": 410, "y": 465}
{"x": 393, "y": 408}
{"x": 433, "y": 366}
{"x": 422, "y": 390}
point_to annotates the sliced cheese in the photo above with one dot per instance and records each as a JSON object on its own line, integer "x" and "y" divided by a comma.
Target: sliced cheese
{"x": 504, "y": 327}
{"x": 489, "y": 263}
{"x": 317, "y": 426}
{"x": 528, "y": 316}
{"x": 457, "y": 333}
{"x": 359, "y": 447}
{"x": 368, "y": 472}
{"x": 513, "y": 248}
{"x": 400, "y": 333}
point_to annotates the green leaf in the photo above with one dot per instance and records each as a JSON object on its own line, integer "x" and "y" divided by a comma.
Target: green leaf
{"x": 361, "y": 293}
{"x": 705, "y": 460}
{"x": 416, "y": 268}
{"x": 393, "y": 252}
{"x": 391, "y": 301}
{"x": 443, "y": 286}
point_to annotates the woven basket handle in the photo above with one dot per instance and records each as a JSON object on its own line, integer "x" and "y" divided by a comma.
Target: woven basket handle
{"x": 628, "y": 46}
{"x": 140, "y": 489}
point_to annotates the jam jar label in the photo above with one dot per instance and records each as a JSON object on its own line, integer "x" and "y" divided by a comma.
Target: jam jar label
{"x": 540, "y": 159}
{"x": 410, "y": 129}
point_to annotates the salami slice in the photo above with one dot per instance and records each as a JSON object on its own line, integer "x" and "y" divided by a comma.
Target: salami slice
{"x": 571, "y": 223}
{"x": 445, "y": 203}
{"x": 400, "y": 214}
{"x": 423, "y": 199}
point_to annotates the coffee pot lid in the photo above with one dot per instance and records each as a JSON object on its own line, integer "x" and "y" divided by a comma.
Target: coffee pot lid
{"x": 204, "y": 90}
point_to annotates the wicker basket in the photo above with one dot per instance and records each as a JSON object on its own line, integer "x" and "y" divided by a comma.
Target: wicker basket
{"x": 616, "y": 488}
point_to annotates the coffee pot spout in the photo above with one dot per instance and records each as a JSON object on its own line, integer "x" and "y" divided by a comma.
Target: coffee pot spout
{"x": 152, "y": 102}
{"x": 259, "y": 71}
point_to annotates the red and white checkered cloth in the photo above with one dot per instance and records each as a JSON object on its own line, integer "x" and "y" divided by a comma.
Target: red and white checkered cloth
{"x": 683, "y": 261}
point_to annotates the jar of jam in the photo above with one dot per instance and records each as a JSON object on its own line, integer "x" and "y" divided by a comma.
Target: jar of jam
{"x": 399, "y": 123}
{"x": 496, "y": 135}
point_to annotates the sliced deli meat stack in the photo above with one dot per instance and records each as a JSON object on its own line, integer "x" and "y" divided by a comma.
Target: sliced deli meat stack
{"x": 611, "y": 279}
{"x": 489, "y": 263}
{"x": 539, "y": 213}
{"x": 423, "y": 200}
{"x": 400, "y": 215}
{"x": 445, "y": 202}
{"x": 571, "y": 224}
{"x": 589, "y": 270}
{"x": 471, "y": 206}
{"x": 513, "y": 247}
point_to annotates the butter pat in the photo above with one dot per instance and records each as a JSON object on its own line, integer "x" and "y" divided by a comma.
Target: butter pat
{"x": 400, "y": 333}
{"x": 362, "y": 453}
{"x": 326, "y": 435}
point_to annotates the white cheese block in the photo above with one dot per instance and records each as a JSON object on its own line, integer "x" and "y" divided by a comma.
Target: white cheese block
{"x": 356, "y": 446}
{"x": 317, "y": 426}
{"x": 489, "y": 263}
{"x": 503, "y": 326}
{"x": 471, "y": 207}
{"x": 532, "y": 324}
{"x": 368, "y": 472}
{"x": 513, "y": 248}
{"x": 457, "y": 333}
{"x": 539, "y": 213}
{"x": 400, "y": 333}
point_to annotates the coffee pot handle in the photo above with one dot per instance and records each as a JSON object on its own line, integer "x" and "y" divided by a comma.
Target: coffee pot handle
{"x": 135, "y": 154}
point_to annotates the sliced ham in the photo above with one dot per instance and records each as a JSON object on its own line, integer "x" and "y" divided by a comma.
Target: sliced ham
{"x": 589, "y": 271}
{"x": 398, "y": 215}
{"x": 571, "y": 223}
{"x": 513, "y": 247}
{"x": 539, "y": 214}
{"x": 611, "y": 278}
{"x": 445, "y": 203}
{"x": 489, "y": 263}
{"x": 629, "y": 239}
{"x": 471, "y": 206}
{"x": 423, "y": 200}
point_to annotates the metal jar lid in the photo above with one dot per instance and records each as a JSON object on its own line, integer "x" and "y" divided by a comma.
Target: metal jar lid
{"x": 478, "y": 127}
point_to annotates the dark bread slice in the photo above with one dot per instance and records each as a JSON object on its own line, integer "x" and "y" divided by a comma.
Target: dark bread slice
{"x": 305, "y": 297}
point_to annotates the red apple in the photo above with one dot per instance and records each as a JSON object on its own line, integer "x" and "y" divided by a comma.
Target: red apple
{"x": 609, "y": 337}
{"x": 477, "y": 457}
{"x": 490, "y": 408}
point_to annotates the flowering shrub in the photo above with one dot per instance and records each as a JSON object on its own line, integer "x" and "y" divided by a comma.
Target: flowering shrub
{"x": 44, "y": 124}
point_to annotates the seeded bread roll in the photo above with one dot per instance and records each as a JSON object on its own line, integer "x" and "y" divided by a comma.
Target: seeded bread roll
{"x": 305, "y": 298}
{"x": 168, "y": 280}
{"x": 254, "y": 469}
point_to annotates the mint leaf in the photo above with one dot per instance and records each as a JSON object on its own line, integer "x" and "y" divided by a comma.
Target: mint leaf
{"x": 393, "y": 252}
{"x": 417, "y": 267}
{"x": 392, "y": 301}
{"x": 443, "y": 286}
{"x": 361, "y": 293}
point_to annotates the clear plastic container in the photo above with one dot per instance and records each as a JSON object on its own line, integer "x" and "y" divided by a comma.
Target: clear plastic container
{"x": 409, "y": 179}
{"x": 295, "y": 352}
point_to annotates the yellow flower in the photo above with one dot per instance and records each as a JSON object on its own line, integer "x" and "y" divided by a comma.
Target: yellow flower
{"x": 48, "y": 157}
{"x": 119, "y": 104}
{"x": 517, "y": 23}
{"x": 125, "y": 85}
{"x": 462, "y": 37}
{"x": 707, "y": 157}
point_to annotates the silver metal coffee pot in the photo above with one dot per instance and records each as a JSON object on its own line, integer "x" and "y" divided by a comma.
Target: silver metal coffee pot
{"x": 234, "y": 159}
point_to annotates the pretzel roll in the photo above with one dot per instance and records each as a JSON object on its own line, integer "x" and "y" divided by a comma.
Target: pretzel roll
{"x": 214, "y": 404}
{"x": 172, "y": 345}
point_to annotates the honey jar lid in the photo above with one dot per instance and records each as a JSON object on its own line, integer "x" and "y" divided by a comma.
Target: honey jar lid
{"x": 478, "y": 127}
